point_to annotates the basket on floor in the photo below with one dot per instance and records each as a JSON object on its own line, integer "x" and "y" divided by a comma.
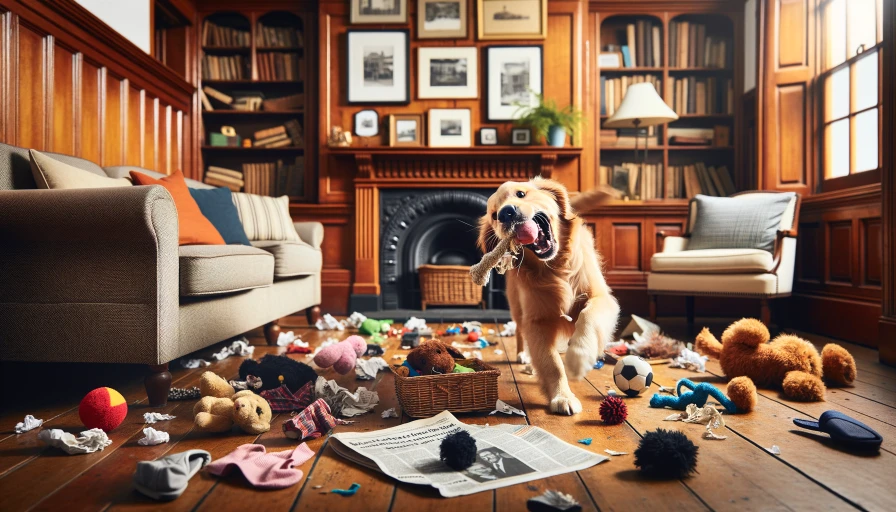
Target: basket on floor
{"x": 448, "y": 285}
{"x": 427, "y": 395}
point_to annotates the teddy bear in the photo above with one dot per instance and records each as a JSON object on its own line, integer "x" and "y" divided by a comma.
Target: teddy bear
{"x": 342, "y": 355}
{"x": 221, "y": 407}
{"x": 275, "y": 371}
{"x": 788, "y": 362}
{"x": 431, "y": 358}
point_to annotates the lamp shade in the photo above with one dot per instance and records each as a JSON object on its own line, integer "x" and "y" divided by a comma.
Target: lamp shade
{"x": 641, "y": 107}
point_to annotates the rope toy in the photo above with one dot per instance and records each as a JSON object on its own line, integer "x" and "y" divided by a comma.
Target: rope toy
{"x": 698, "y": 396}
{"x": 481, "y": 271}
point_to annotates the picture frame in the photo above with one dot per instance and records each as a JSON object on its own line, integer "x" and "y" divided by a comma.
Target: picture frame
{"x": 442, "y": 19}
{"x": 367, "y": 123}
{"x": 378, "y": 66}
{"x": 512, "y": 19}
{"x": 609, "y": 60}
{"x": 380, "y": 11}
{"x": 513, "y": 77}
{"x": 450, "y": 128}
{"x": 520, "y": 137}
{"x": 402, "y": 134}
{"x": 488, "y": 136}
{"x": 448, "y": 72}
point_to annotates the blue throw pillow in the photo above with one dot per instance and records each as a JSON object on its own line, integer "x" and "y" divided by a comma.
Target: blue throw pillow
{"x": 744, "y": 222}
{"x": 217, "y": 206}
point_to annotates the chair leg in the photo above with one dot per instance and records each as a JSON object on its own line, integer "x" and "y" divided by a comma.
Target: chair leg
{"x": 272, "y": 332}
{"x": 157, "y": 383}
{"x": 689, "y": 309}
{"x": 651, "y": 305}
{"x": 312, "y": 314}
{"x": 765, "y": 313}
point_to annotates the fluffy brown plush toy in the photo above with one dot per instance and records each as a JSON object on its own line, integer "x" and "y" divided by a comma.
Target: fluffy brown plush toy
{"x": 432, "y": 358}
{"x": 221, "y": 407}
{"x": 788, "y": 362}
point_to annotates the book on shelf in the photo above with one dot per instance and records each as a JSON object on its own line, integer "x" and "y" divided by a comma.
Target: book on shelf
{"x": 210, "y": 180}
{"x": 721, "y": 135}
{"x": 613, "y": 90}
{"x": 699, "y": 136}
{"x": 218, "y": 95}
{"x": 294, "y": 129}
{"x": 206, "y": 104}
{"x": 238, "y": 175}
{"x": 686, "y": 181}
{"x": 633, "y": 180}
{"x": 642, "y": 46}
{"x": 278, "y": 37}
{"x": 287, "y": 134}
{"x": 289, "y": 102}
{"x": 217, "y": 35}
{"x": 260, "y": 178}
{"x": 224, "y": 67}
{"x": 690, "y": 47}
{"x": 692, "y": 95}
{"x": 275, "y": 178}
{"x": 224, "y": 178}
{"x": 279, "y": 66}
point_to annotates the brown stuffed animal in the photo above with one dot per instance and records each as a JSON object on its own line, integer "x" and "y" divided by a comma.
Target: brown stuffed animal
{"x": 787, "y": 362}
{"x": 220, "y": 407}
{"x": 432, "y": 358}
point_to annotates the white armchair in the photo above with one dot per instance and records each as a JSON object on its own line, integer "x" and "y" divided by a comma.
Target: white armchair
{"x": 752, "y": 273}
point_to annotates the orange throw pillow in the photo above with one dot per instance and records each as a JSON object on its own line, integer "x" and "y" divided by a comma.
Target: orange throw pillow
{"x": 194, "y": 228}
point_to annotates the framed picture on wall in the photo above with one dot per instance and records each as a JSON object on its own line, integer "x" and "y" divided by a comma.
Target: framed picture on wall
{"x": 512, "y": 19}
{"x": 367, "y": 123}
{"x": 521, "y": 136}
{"x": 405, "y": 130}
{"x": 379, "y": 11}
{"x": 448, "y": 72}
{"x": 488, "y": 136}
{"x": 442, "y": 19}
{"x": 450, "y": 127}
{"x": 513, "y": 78}
{"x": 378, "y": 66}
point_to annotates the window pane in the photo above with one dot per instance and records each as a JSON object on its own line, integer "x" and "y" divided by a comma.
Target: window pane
{"x": 837, "y": 95}
{"x": 866, "y": 82}
{"x": 866, "y": 141}
{"x": 862, "y": 25}
{"x": 836, "y": 145}
{"x": 834, "y": 36}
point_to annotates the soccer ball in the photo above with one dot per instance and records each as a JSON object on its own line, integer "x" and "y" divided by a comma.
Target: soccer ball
{"x": 632, "y": 375}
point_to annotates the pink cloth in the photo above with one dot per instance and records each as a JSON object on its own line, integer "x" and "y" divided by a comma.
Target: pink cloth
{"x": 264, "y": 470}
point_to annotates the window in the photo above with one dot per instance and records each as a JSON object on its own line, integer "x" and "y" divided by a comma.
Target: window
{"x": 850, "y": 34}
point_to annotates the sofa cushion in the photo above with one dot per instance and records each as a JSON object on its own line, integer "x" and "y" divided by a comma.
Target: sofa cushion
{"x": 743, "y": 222}
{"x": 713, "y": 261}
{"x": 215, "y": 269}
{"x": 217, "y": 206}
{"x": 193, "y": 227}
{"x": 124, "y": 171}
{"x": 50, "y": 173}
{"x": 292, "y": 258}
{"x": 265, "y": 218}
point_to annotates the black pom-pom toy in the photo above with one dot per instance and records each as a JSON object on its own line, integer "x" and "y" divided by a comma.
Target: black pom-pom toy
{"x": 613, "y": 410}
{"x": 666, "y": 454}
{"x": 458, "y": 450}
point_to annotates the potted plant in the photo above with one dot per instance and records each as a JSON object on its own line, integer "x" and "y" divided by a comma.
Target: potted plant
{"x": 549, "y": 121}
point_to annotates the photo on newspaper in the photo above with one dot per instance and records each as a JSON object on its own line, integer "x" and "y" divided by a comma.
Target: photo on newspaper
{"x": 505, "y": 454}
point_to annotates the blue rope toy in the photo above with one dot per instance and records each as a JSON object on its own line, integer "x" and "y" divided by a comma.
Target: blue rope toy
{"x": 698, "y": 396}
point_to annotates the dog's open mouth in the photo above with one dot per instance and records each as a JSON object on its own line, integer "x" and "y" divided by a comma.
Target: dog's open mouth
{"x": 544, "y": 245}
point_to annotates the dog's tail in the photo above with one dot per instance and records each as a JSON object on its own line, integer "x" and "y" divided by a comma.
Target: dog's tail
{"x": 585, "y": 201}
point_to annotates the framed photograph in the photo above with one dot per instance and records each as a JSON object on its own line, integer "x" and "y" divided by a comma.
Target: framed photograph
{"x": 442, "y": 19}
{"x": 406, "y": 129}
{"x": 448, "y": 72}
{"x": 609, "y": 60}
{"x": 379, "y": 11}
{"x": 450, "y": 127}
{"x": 367, "y": 123}
{"x": 513, "y": 77}
{"x": 488, "y": 136}
{"x": 512, "y": 19}
{"x": 521, "y": 136}
{"x": 378, "y": 67}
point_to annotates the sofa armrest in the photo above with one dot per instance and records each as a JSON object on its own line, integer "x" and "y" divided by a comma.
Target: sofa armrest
{"x": 311, "y": 233}
{"x": 675, "y": 244}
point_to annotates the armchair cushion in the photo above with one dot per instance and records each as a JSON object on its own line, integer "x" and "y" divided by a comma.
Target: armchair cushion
{"x": 216, "y": 269}
{"x": 713, "y": 261}
{"x": 749, "y": 221}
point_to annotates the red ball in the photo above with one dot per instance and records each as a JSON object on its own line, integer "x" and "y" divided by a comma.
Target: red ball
{"x": 613, "y": 410}
{"x": 103, "y": 408}
{"x": 473, "y": 336}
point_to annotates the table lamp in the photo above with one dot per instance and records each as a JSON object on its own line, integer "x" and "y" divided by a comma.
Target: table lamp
{"x": 641, "y": 107}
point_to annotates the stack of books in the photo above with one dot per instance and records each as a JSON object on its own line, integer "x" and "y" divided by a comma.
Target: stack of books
{"x": 635, "y": 181}
{"x": 260, "y": 178}
{"x": 288, "y": 134}
{"x": 223, "y": 177}
{"x": 689, "y": 180}
{"x": 275, "y": 178}
{"x": 629, "y": 138}
{"x": 278, "y": 37}
{"x": 279, "y": 66}
{"x": 690, "y": 47}
{"x": 612, "y": 90}
{"x": 643, "y": 40}
{"x": 216, "y": 35}
{"x": 692, "y": 95}
{"x": 690, "y": 136}
{"x": 224, "y": 67}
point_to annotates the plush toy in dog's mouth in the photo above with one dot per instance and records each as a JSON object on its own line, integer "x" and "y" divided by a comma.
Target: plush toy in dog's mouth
{"x": 535, "y": 234}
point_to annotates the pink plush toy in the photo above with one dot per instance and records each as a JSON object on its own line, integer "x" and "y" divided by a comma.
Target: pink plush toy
{"x": 342, "y": 355}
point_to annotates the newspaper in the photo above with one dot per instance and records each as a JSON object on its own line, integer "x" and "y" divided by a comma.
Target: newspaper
{"x": 505, "y": 454}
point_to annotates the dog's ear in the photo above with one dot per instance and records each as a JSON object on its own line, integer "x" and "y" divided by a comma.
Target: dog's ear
{"x": 488, "y": 240}
{"x": 560, "y": 195}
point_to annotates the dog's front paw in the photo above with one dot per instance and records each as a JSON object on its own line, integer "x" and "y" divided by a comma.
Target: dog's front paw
{"x": 524, "y": 358}
{"x": 566, "y": 404}
{"x": 579, "y": 360}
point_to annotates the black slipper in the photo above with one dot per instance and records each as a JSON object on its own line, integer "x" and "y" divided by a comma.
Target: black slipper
{"x": 844, "y": 429}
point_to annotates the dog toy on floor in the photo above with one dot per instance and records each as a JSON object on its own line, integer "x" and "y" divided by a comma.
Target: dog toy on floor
{"x": 482, "y": 270}
{"x": 341, "y": 356}
{"x": 666, "y": 454}
{"x": 787, "y": 362}
{"x": 613, "y": 410}
{"x": 843, "y": 429}
{"x": 103, "y": 408}
{"x": 220, "y": 408}
{"x": 275, "y": 371}
{"x": 458, "y": 450}
{"x": 741, "y": 390}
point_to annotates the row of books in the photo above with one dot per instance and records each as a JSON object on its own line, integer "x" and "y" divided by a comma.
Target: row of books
{"x": 686, "y": 181}
{"x": 629, "y": 138}
{"x": 279, "y": 66}
{"x": 642, "y": 48}
{"x": 278, "y": 37}
{"x": 288, "y": 134}
{"x": 719, "y": 135}
{"x": 249, "y": 100}
{"x": 692, "y": 95}
{"x": 635, "y": 181}
{"x": 225, "y": 67}
{"x": 612, "y": 90}
{"x": 224, "y": 177}
{"x": 275, "y": 178}
{"x": 217, "y": 35}
{"x": 690, "y": 47}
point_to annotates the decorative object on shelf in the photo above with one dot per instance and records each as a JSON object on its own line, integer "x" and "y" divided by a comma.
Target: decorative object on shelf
{"x": 406, "y": 130}
{"x": 379, "y": 11}
{"x": 378, "y": 66}
{"x": 550, "y": 122}
{"x": 226, "y": 138}
{"x": 247, "y": 143}
{"x": 228, "y": 131}
{"x": 448, "y": 72}
{"x": 450, "y": 127}
{"x": 519, "y": 19}
{"x": 442, "y": 19}
{"x": 609, "y": 60}
{"x": 513, "y": 79}
{"x": 488, "y": 136}
{"x": 367, "y": 123}
{"x": 339, "y": 138}
{"x": 521, "y": 137}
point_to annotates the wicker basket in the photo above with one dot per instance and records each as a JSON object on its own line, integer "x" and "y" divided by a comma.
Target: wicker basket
{"x": 427, "y": 395}
{"x": 448, "y": 285}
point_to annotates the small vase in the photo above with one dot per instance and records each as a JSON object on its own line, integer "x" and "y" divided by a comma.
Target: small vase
{"x": 557, "y": 136}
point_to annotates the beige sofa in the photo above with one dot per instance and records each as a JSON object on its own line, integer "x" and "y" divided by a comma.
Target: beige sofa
{"x": 96, "y": 275}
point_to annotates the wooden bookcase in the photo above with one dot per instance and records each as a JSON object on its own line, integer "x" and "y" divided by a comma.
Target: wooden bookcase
{"x": 251, "y": 20}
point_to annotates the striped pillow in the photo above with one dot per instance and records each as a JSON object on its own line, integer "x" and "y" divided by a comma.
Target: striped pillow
{"x": 265, "y": 218}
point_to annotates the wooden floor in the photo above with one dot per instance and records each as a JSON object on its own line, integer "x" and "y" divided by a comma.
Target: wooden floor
{"x": 738, "y": 473}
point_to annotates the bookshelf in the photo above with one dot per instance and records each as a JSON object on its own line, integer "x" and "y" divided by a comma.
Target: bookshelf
{"x": 253, "y": 69}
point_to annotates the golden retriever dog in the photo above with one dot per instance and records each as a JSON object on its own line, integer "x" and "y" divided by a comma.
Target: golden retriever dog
{"x": 556, "y": 276}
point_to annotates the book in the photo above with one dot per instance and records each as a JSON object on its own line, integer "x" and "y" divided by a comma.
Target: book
{"x": 725, "y": 178}
{"x": 656, "y": 39}
{"x": 721, "y": 136}
{"x": 289, "y": 102}
{"x": 218, "y": 95}
{"x": 219, "y": 183}
{"x": 269, "y": 132}
{"x": 274, "y": 139}
{"x": 294, "y": 129}
{"x": 716, "y": 182}
{"x": 631, "y": 39}
{"x": 226, "y": 172}
{"x": 224, "y": 178}
{"x": 280, "y": 143}
{"x": 626, "y": 57}
{"x": 683, "y": 44}
{"x": 706, "y": 183}
{"x": 603, "y": 95}
{"x": 206, "y": 104}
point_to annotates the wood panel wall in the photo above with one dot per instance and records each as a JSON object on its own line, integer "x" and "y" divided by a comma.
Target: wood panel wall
{"x": 887, "y": 324}
{"x": 72, "y": 85}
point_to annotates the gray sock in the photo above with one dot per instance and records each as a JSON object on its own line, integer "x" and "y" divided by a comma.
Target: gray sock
{"x": 166, "y": 478}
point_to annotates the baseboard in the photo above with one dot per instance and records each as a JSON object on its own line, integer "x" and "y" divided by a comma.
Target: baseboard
{"x": 844, "y": 319}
